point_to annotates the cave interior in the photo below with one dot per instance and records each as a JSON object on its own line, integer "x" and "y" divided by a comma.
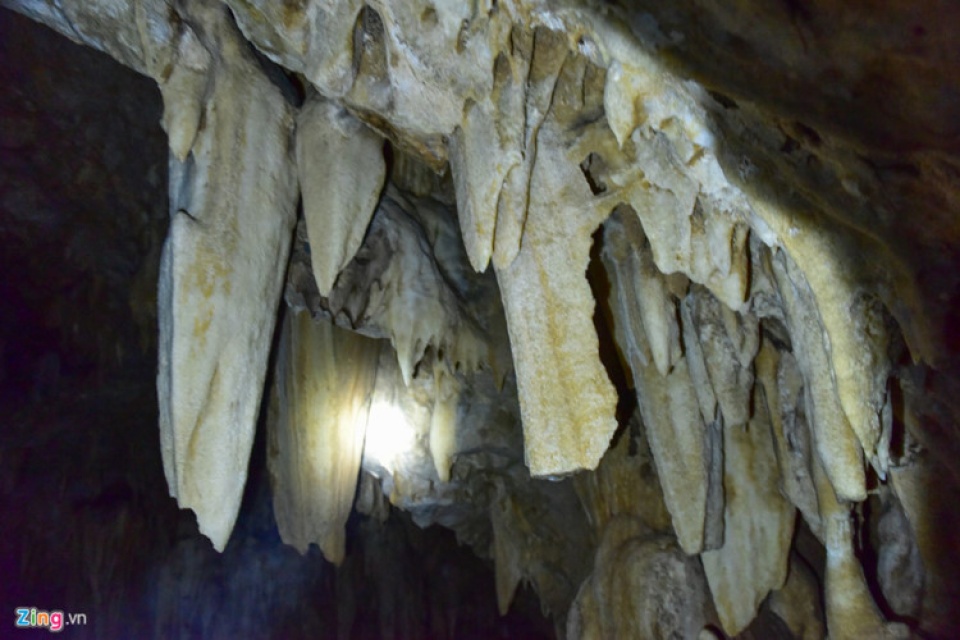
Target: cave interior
{"x": 507, "y": 319}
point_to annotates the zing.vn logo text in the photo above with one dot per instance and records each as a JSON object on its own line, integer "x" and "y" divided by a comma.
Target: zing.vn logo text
{"x": 33, "y": 618}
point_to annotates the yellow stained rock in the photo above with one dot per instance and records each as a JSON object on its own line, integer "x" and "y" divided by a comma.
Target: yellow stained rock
{"x": 851, "y": 321}
{"x": 849, "y": 607}
{"x": 566, "y": 400}
{"x": 234, "y": 206}
{"x": 543, "y": 145}
{"x": 695, "y": 223}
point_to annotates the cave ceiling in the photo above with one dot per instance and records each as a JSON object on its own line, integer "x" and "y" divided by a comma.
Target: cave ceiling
{"x": 642, "y": 300}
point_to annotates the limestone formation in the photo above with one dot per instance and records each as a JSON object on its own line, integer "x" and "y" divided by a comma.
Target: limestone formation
{"x": 642, "y": 587}
{"x": 232, "y": 202}
{"x": 758, "y": 524}
{"x": 668, "y": 403}
{"x": 566, "y": 400}
{"x": 644, "y": 332}
{"x": 321, "y": 398}
{"x": 341, "y": 169}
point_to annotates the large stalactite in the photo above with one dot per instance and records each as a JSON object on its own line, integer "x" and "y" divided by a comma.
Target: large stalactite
{"x": 567, "y": 285}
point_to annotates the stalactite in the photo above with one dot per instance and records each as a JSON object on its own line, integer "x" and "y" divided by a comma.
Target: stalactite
{"x": 319, "y": 407}
{"x": 232, "y": 206}
{"x": 757, "y": 316}
{"x": 342, "y": 170}
{"x": 758, "y": 524}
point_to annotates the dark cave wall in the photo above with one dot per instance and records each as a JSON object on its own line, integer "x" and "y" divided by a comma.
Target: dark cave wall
{"x": 83, "y": 209}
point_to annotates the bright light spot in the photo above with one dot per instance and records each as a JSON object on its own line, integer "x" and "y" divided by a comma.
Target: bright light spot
{"x": 389, "y": 434}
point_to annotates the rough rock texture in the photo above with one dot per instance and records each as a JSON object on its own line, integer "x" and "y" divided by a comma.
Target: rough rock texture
{"x": 641, "y": 587}
{"x": 735, "y": 220}
{"x": 566, "y": 400}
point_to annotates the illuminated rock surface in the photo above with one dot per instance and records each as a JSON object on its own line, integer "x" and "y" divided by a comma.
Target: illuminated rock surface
{"x": 323, "y": 388}
{"x": 652, "y": 306}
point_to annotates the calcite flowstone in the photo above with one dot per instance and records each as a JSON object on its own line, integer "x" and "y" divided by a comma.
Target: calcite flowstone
{"x": 695, "y": 222}
{"x": 835, "y": 441}
{"x": 850, "y": 321}
{"x": 749, "y": 323}
{"x": 317, "y": 424}
{"x": 849, "y": 607}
